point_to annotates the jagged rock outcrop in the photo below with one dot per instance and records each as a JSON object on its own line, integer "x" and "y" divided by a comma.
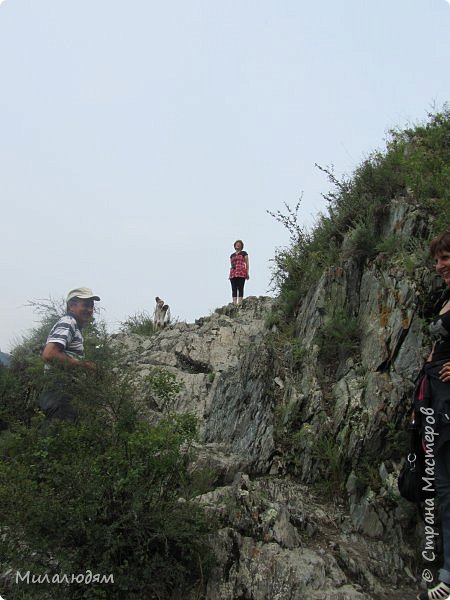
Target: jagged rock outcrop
{"x": 227, "y": 376}
{"x": 279, "y": 541}
{"x": 280, "y": 538}
{"x": 369, "y": 391}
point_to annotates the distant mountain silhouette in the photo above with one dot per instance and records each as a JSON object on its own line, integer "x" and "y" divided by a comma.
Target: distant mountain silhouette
{"x": 5, "y": 359}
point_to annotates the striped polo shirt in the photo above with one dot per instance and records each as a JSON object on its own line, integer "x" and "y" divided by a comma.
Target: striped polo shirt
{"x": 67, "y": 332}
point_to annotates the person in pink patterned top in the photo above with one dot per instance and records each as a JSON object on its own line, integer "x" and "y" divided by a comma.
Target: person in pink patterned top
{"x": 239, "y": 271}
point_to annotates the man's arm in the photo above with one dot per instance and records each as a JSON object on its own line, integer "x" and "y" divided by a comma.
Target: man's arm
{"x": 54, "y": 352}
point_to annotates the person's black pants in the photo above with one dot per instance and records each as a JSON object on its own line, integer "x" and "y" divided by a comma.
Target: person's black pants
{"x": 237, "y": 286}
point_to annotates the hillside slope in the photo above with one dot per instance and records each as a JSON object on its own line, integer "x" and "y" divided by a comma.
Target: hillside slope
{"x": 301, "y": 442}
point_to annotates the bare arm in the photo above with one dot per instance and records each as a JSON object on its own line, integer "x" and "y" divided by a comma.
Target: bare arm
{"x": 54, "y": 352}
{"x": 444, "y": 373}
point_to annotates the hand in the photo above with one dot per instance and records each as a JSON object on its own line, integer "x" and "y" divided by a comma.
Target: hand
{"x": 248, "y": 277}
{"x": 88, "y": 365}
{"x": 444, "y": 373}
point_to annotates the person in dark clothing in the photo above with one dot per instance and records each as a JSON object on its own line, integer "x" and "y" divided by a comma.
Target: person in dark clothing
{"x": 64, "y": 347}
{"x": 435, "y": 413}
{"x": 239, "y": 271}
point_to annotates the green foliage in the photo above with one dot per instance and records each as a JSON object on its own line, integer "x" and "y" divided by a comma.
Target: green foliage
{"x": 360, "y": 242}
{"x": 21, "y": 385}
{"x": 397, "y": 441}
{"x": 274, "y": 318}
{"x": 390, "y": 245}
{"x": 368, "y": 475}
{"x": 110, "y": 495}
{"x": 440, "y": 208}
{"x": 107, "y": 501}
{"x": 415, "y": 166}
{"x": 163, "y": 386}
{"x": 48, "y": 312}
{"x": 140, "y": 323}
{"x": 408, "y": 254}
{"x": 297, "y": 353}
{"x": 15, "y": 398}
{"x": 339, "y": 336}
{"x": 297, "y": 437}
{"x": 289, "y": 269}
{"x": 424, "y": 152}
{"x": 328, "y": 452}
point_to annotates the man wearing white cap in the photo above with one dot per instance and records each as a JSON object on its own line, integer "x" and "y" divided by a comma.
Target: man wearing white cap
{"x": 64, "y": 345}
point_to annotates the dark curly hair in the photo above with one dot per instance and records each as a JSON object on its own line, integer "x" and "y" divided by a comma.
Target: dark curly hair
{"x": 440, "y": 244}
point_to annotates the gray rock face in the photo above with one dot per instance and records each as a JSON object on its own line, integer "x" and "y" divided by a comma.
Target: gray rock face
{"x": 226, "y": 372}
{"x": 278, "y": 539}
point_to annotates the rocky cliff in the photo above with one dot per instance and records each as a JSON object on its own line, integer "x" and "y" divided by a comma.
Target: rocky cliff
{"x": 303, "y": 433}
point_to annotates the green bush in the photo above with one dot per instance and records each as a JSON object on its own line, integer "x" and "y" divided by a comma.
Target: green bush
{"x": 140, "y": 323}
{"x": 425, "y": 152}
{"x": 111, "y": 495}
{"x": 107, "y": 501}
{"x": 163, "y": 386}
{"x": 21, "y": 385}
{"x": 440, "y": 208}
{"x": 329, "y": 455}
{"x": 339, "y": 336}
{"x": 360, "y": 243}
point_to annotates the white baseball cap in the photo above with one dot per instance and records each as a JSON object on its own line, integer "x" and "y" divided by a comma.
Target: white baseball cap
{"x": 83, "y": 293}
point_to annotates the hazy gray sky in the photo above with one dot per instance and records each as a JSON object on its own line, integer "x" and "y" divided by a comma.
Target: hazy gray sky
{"x": 139, "y": 139}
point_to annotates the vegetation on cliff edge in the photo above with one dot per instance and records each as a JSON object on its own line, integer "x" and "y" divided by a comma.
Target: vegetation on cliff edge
{"x": 414, "y": 167}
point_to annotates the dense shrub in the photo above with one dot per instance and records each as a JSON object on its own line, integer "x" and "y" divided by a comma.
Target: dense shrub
{"x": 104, "y": 501}
{"x": 21, "y": 385}
{"x": 140, "y": 323}
{"x": 110, "y": 495}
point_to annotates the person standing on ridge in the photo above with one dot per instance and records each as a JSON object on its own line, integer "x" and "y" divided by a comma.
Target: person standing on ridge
{"x": 239, "y": 271}
{"x": 64, "y": 348}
